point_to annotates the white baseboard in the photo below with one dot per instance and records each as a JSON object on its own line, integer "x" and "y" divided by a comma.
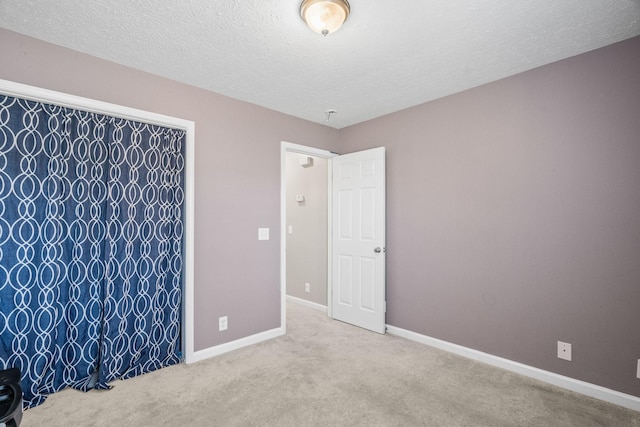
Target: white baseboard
{"x": 304, "y": 302}
{"x": 234, "y": 345}
{"x": 250, "y": 340}
{"x": 588, "y": 389}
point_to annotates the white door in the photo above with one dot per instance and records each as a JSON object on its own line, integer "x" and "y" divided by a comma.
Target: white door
{"x": 358, "y": 240}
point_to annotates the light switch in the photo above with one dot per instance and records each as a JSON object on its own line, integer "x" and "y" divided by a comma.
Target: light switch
{"x": 291, "y": 229}
{"x": 263, "y": 234}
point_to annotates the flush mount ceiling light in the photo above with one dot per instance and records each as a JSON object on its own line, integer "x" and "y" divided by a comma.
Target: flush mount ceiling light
{"x": 324, "y": 16}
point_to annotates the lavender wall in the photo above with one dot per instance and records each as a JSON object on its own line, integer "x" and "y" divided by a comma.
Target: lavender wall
{"x": 237, "y": 175}
{"x": 513, "y": 208}
{"x": 513, "y": 216}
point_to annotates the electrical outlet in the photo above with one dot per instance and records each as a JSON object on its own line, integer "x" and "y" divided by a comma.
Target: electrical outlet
{"x": 307, "y": 287}
{"x": 564, "y": 351}
{"x": 638, "y": 370}
{"x": 222, "y": 323}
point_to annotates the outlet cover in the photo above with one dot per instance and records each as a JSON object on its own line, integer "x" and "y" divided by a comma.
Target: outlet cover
{"x": 222, "y": 323}
{"x": 638, "y": 370}
{"x": 307, "y": 287}
{"x": 564, "y": 351}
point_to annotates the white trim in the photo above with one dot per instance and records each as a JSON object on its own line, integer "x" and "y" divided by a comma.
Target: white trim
{"x": 235, "y": 345}
{"x": 306, "y": 303}
{"x": 330, "y": 236}
{"x": 188, "y": 328}
{"x": 582, "y": 387}
{"x": 311, "y": 151}
{"x": 302, "y": 149}
{"x": 79, "y": 103}
{"x": 34, "y": 93}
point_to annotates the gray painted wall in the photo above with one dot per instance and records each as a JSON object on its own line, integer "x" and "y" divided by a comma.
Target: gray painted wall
{"x": 237, "y": 175}
{"x": 307, "y": 245}
{"x": 513, "y": 216}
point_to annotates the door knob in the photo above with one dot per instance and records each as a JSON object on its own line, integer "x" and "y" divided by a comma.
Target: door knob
{"x": 377, "y": 250}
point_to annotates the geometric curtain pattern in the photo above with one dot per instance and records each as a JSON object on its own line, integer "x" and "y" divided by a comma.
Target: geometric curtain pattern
{"x": 91, "y": 246}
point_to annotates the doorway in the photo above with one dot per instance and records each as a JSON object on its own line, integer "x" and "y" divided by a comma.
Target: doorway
{"x": 305, "y": 221}
{"x": 355, "y": 248}
{"x": 307, "y": 215}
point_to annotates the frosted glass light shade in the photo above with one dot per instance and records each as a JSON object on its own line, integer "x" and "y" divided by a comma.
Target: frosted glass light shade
{"x": 324, "y": 16}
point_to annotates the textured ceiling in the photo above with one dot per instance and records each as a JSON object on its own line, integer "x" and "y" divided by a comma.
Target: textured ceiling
{"x": 388, "y": 56}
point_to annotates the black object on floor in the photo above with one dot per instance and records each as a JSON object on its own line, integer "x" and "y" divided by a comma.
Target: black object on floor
{"x": 10, "y": 397}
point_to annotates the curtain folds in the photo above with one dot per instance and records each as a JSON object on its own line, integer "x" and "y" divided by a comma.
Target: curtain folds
{"x": 91, "y": 241}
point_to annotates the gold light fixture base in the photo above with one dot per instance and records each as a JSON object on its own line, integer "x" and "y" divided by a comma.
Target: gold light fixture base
{"x": 325, "y": 16}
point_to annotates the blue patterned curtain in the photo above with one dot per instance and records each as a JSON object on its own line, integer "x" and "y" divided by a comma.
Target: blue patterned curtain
{"x": 91, "y": 241}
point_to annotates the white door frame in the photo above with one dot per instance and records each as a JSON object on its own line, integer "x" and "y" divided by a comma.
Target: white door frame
{"x": 288, "y": 147}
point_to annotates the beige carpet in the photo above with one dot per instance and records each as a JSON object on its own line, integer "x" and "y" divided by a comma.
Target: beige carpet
{"x": 326, "y": 373}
